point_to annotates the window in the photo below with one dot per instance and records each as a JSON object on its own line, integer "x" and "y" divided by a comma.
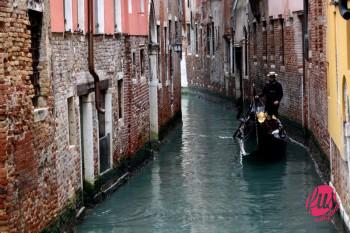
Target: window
{"x": 255, "y": 40}
{"x": 133, "y": 64}
{"x": 232, "y": 59}
{"x": 142, "y": 65}
{"x": 272, "y": 38}
{"x": 71, "y": 122}
{"x": 170, "y": 35}
{"x": 196, "y": 36}
{"x": 158, "y": 34}
{"x": 213, "y": 38}
{"x": 208, "y": 39}
{"x": 142, "y": 6}
{"x": 120, "y": 98}
{"x": 227, "y": 54}
{"x": 117, "y": 16}
{"x": 104, "y": 139}
{"x": 188, "y": 34}
{"x": 68, "y": 19}
{"x": 176, "y": 31}
{"x": 171, "y": 68}
{"x": 81, "y": 15}
{"x": 165, "y": 40}
{"x": 165, "y": 53}
{"x": 191, "y": 19}
{"x": 35, "y": 19}
{"x": 200, "y": 38}
{"x": 217, "y": 36}
{"x": 265, "y": 39}
{"x": 282, "y": 41}
{"x": 101, "y": 118}
{"x": 245, "y": 51}
{"x": 99, "y": 16}
{"x": 130, "y": 6}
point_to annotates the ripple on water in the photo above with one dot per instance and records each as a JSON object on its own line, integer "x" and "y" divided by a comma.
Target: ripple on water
{"x": 199, "y": 183}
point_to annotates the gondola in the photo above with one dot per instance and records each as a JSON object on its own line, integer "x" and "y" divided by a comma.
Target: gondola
{"x": 260, "y": 135}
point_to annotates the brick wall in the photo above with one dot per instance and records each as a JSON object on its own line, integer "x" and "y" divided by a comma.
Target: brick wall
{"x": 206, "y": 70}
{"x": 40, "y": 167}
{"x": 340, "y": 174}
{"x": 316, "y": 103}
{"x": 28, "y": 177}
{"x": 113, "y": 60}
{"x": 40, "y": 172}
{"x": 267, "y": 54}
{"x": 169, "y": 88}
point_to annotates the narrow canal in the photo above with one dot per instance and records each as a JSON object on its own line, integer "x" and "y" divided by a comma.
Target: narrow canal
{"x": 198, "y": 183}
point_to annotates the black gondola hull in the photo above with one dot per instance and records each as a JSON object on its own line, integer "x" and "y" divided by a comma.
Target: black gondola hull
{"x": 254, "y": 139}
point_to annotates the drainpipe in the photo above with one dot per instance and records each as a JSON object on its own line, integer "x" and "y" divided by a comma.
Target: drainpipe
{"x": 91, "y": 57}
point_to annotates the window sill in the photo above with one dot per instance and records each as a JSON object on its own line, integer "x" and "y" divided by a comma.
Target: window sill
{"x": 73, "y": 147}
{"x": 40, "y": 114}
{"x": 121, "y": 122}
{"x": 105, "y": 172}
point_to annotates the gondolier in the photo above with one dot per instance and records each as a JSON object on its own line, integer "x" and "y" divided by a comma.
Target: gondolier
{"x": 273, "y": 93}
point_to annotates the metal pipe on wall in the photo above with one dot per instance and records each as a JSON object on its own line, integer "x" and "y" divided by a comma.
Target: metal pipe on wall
{"x": 91, "y": 57}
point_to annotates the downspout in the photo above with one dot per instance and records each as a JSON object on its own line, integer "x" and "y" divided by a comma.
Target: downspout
{"x": 91, "y": 57}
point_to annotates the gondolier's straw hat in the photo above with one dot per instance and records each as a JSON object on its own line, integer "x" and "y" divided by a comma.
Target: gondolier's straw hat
{"x": 272, "y": 73}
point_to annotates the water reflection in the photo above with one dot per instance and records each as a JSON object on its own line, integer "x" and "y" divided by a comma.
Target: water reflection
{"x": 198, "y": 183}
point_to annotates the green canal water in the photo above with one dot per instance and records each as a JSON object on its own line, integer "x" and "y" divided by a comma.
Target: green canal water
{"x": 198, "y": 183}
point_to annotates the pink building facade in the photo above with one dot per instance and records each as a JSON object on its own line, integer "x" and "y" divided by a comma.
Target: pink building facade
{"x": 110, "y": 16}
{"x": 279, "y": 8}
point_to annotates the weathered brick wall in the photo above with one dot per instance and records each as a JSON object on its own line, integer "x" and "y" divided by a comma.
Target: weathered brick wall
{"x": 267, "y": 54}
{"x": 137, "y": 99}
{"x": 113, "y": 59}
{"x": 64, "y": 60}
{"x": 316, "y": 103}
{"x": 28, "y": 179}
{"x": 169, "y": 88}
{"x": 40, "y": 171}
{"x": 340, "y": 174}
{"x": 204, "y": 70}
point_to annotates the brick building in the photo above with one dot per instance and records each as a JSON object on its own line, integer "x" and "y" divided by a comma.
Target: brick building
{"x": 53, "y": 138}
{"x": 209, "y": 32}
{"x": 168, "y": 20}
{"x": 334, "y": 60}
{"x": 275, "y": 44}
